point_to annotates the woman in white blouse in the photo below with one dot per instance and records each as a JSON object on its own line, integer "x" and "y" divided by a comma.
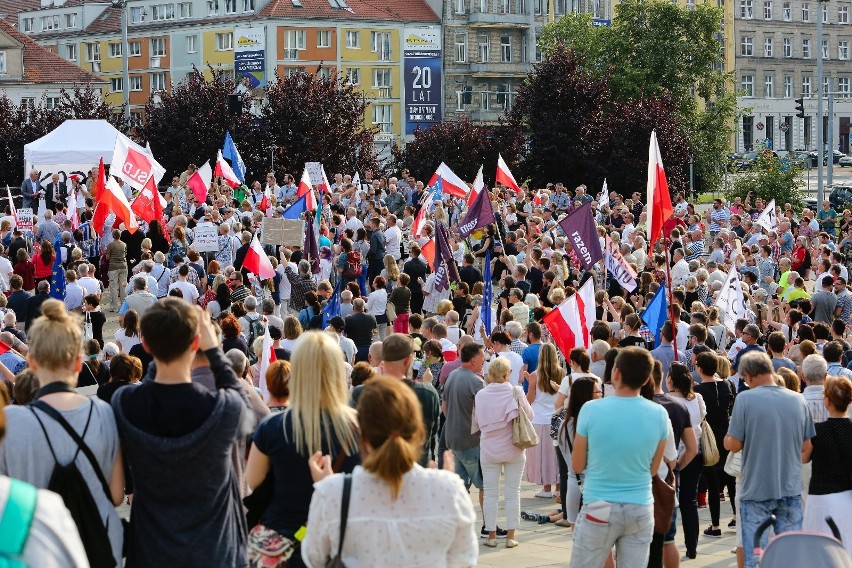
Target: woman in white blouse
{"x": 377, "y": 305}
{"x": 400, "y": 514}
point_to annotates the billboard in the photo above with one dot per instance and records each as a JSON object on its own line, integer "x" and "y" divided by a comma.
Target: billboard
{"x": 250, "y": 55}
{"x": 422, "y": 77}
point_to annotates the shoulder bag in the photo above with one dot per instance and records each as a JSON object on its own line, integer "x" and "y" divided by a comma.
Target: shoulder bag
{"x": 734, "y": 464}
{"x": 390, "y": 310}
{"x": 663, "y": 491}
{"x": 337, "y": 560}
{"x": 709, "y": 449}
{"x": 523, "y": 433}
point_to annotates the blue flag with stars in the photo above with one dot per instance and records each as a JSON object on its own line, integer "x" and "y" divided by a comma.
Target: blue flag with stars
{"x": 487, "y": 294}
{"x": 57, "y": 277}
{"x": 438, "y": 189}
{"x": 332, "y": 307}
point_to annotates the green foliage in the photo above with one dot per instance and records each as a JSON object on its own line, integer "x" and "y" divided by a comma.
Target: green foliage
{"x": 770, "y": 177}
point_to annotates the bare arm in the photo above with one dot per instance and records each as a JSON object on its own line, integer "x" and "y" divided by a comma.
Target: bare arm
{"x": 689, "y": 441}
{"x": 732, "y": 444}
{"x": 578, "y": 456}
{"x": 807, "y": 451}
{"x": 658, "y": 457}
{"x": 532, "y": 387}
{"x": 256, "y": 468}
{"x": 116, "y": 480}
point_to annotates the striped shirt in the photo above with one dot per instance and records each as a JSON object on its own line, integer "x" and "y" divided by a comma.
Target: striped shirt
{"x": 89, "y": 244}
{"x": 716, "y": 215}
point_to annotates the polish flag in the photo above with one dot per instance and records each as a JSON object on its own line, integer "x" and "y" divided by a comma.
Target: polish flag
{"x": 570, "y": 324}
{"x": 428, "y": 252}
{"x": 504, "y": 175}
{"x": 325, "y": 187}
{"x": 267, "y": 357}
{"x": 225, "y": 171}
{"x": 266, "y": 202}
{"x": 419, "y": 221}
{"x": 306, "y": 188}
{"x": 453, "y": 184}
{"x": 257, "y": 262}
{"x": 149, "y": 204}
{"x": 200, "y": 181}
{"x": 111, "y": 199}
{"x": 478, "y": 185}
{"x": 659, "y": 199}
{"x": 537, "y": 198}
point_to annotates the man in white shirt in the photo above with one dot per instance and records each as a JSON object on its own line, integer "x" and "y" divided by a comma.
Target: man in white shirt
{"x": 352, "y": 220}
{"x": 161, "y": 274}
{"x": 393, "y": 238}
{"x": 189, "y": 291}
{"x": 454, "y": 333}
{"x": 680, "y": 270}
{"x": 89, "y": 284}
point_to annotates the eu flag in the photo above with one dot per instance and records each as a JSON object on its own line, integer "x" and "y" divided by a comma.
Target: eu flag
{"x": 229, "y": 151}
{"x": 656, "y": 313}
{"x": 57, "y": 277}
{"x": 332, "y": 307}
{"x": 487, "y": 294}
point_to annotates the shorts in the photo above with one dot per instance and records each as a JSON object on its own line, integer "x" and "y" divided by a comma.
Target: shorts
{"x": 467, "y": 466}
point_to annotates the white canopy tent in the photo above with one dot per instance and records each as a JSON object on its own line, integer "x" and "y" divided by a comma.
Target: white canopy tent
{"x": 74, "y": 146}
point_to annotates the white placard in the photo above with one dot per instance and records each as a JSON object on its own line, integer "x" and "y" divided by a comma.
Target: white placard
{"x": 206, "y": 238}
{"x": 25, "y": 219}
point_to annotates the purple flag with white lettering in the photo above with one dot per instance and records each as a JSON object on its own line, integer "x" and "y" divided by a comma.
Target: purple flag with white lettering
{"x": 579, "y": 227}
{"x": 446, "y": 270}
{"x": 479, "y": 214}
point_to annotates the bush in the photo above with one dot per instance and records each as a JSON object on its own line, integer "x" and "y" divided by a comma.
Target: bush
{"x": 770, "y": 177}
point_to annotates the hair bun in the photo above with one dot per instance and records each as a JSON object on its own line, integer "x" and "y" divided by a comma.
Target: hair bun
{"x": 54, "y": 310}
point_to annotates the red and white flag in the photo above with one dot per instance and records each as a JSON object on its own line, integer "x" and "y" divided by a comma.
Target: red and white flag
{"x": 326, "y": 186}
{"x": 659, "y": 198}
{"x": 504, "y": 175}
{"x": 224, "y": 170}
{"x": 257, "y": 262}
{"x": 419, "y": 221}
{"x": 111, "y": 199}
{"x": 478, "y": 185}
{"x": 453, "y": 184}
{"x": 266, "y": 202}
{"x": 200, "y": 181}
{"x": 267, "y": 357}
{"x": 570, "y": 324}
{"x": 427, "y": 251}
{"x": 136, "y": 166}
{"x": 305, "y": 188}
{"x": 149, "y": 204}
{"x": 537, "y": 199}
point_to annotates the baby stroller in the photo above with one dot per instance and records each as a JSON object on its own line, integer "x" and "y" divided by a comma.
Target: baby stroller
{"x": 801, "y": 548}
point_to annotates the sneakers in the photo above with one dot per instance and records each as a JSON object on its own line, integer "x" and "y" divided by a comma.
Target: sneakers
{"x": 544, "y": 495}
{"x": 732, "y": 524}
{"x": 511, "y": 543}
{"x": 491, "y": 542}
{"x": 713, "y": 533}
{"x": 501, "y": 533}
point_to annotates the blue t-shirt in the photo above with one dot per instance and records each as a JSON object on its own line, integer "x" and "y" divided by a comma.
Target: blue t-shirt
{"x": 530, "y": 356}
{"x": 623, "y": 434}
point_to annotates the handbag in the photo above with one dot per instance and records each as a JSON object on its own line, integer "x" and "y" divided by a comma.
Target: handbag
{"x": 523, "y": 432}
{"x": 709, "y": 449}
{"x": 556, "y": 421}
{"x": 734, "y": 464}
{"x": 664, "y": 501}
{"x": 390, "y": 312}
{"x": 268, "y": 549}
{"x": 337, "y": 561}
{"x": 88, "y": 331}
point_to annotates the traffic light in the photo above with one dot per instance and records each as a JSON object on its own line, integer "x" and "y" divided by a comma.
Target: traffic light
{"x": 800, "y": 108}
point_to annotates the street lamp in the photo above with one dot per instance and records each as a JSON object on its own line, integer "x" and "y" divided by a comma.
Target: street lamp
{"x": 125, "y": 77}
{"x": 820, "y": 130}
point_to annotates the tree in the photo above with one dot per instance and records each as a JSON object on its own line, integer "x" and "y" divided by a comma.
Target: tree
{"x": 463, "y": 145}
{"x": 770, "y": 177}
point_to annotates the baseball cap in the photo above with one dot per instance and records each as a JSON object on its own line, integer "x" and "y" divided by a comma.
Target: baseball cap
{"x": 396, "y": 347}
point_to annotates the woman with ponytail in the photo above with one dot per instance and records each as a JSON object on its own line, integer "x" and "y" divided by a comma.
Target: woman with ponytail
{"x": 400, "y": 514}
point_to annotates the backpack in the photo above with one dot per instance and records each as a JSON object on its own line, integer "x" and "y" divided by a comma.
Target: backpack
{"x": 305, "y": 317}
{"x": 256, "y": 329}
{"x": 15, "y": 522}
{"x": 353, "y": 265}
{"x": 68, "y": 482}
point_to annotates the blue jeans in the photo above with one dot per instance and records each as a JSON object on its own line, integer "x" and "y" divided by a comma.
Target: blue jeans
{"x": 467, "y": 466}
{"x": 787, "y": 511}
{"x": 627, "y": 526}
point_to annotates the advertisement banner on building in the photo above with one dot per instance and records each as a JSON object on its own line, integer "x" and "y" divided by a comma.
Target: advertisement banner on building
{"x": 249, "y": 55}
{"x": 422, "y": 77}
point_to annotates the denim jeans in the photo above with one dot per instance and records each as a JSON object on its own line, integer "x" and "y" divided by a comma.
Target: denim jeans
{"x": 467, "y": 466}
{"x": 512, "y": 472}
{"x": 629, "y": 528}
{"x": 788, "y": 514}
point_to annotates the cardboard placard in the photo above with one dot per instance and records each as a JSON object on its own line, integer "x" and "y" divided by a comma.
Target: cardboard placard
{"x": 206, "y": 238}
{"x": 25, "y": 219}
{"x": 292, "y": 232}
{"x": 271, "y": 231}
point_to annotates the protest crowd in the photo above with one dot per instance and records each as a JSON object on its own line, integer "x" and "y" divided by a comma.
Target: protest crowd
{"x": 336, "y": 371}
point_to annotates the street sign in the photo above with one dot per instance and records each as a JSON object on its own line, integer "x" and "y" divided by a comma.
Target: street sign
{"x": 601, "y": 23}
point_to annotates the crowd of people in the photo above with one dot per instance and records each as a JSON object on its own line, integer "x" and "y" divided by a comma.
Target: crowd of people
{"x": 355, "y": 407}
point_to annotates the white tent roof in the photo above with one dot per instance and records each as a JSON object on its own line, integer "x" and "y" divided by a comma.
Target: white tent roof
{"x": 80, "y": 143}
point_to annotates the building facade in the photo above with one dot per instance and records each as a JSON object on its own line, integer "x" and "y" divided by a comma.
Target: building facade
{"x": 776, "y": 47}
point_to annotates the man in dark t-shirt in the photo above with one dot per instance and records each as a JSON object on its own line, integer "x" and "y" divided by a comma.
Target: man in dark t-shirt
{"x": 359, "y": 328}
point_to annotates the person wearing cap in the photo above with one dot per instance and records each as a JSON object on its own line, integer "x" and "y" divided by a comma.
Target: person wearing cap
{"x": 398, "y": 355}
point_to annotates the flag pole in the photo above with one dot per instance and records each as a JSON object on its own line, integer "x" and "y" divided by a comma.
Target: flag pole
{"x": 671, "y": 303}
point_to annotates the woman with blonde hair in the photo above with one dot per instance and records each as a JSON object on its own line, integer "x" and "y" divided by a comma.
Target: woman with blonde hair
{"x": 495, "y": 408}
{"x": 318, "y": 420}
{"x": 38, "y": 439}
{"x": 391, "y": 272}
{"x": 541, "y": 467}
{"x": 400, "y": 514}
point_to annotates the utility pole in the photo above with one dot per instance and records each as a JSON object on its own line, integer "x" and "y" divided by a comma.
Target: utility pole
{"x": 820, "y": 130}
{"x": 830, "y": 140}
{"x": 125, "y": 69}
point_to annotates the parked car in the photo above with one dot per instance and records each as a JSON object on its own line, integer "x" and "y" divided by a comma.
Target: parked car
{"x": 840, "y": 198}
{"x": 845, "y": 161}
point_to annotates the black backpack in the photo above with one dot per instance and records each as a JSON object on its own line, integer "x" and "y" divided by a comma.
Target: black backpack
{"x": 69, "y": 483}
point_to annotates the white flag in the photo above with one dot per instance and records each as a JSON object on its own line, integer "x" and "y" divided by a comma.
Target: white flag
{"x": 768, "y": 220}
{"x": 602, "y": 196}
{"x": 134, "y": 164}
{"x": 618, "y": 267}
{"x": 731, "y": 301}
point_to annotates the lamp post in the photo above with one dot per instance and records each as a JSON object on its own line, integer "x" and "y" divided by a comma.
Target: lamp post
{"x": 820, "y": 129}
{"x": 125, "y": 70}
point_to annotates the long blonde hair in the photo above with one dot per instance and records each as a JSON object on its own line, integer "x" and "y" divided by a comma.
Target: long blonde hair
{"x": 319, "y": 399}
{"x": 392, "y": 268}
{"x": 548, "y": 368}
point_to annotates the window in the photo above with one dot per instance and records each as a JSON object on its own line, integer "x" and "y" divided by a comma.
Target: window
{"x": 49, "y": 23}
{"x": 537, "y": 7}
{"x": 136, "y": 83}
{"x": 158, "y": 81}
{"x": 294, "y": 41}
{"x": 71, "y": 52}
{"x": 483, "y": 6}
{"x": 505, "y": 49}
{"x": 324, "y": 73}
{"x": 353, "y": 75}
{"x": 525, "y": 56}
{"x": 324, "y": 38}
{"x": 806, "y": 86}
{"x": 383, "y": 118}
{"x": 28, "y": 24}
{"x": 690, "y": 5}
{"x": 353, "y": 40}
{"x": 788, "y": 47}
{"x": 483, "y": 48}
{"x": 843, "y": 85}
{"x": 212, "y": 7}
{"x": 767, "y": 9}
{"x": 825, "y": 49}
{"x": 116, "y": 85}
{"x": 115, "y": 50}
{"x": 51, "y": 103}
{"x": 460, "y": 6}
{"x": 806, "y": 12}
{"x": 787, "y": 12}
{"x": 505, "y": 6}
{"x": 192, "y": 44}
{"x": 137, "y": 15}
{"x": 162, "y": 12}
{"x": 767, "y": 47}
{"x": 747, "y": 9}
{"x": 294, "y": 71}
{"x": 158, "y": 47}
{"x": 461, "y": 47}
{"x": 248, "y": 5}
{"x": 2, "y": 62}
{"x": 93, "y": 52}
{"x": 70, "y": 20}
{"x": 185, "y": 9}
{"x": 746, "y": 46}
{"x": 824, "y": 9}
{"x": 380, "y": 42}
{"x": 381, "y": 78}
{"x": 485, "y": 100}
{"x": 788, "y": 86}
{"x": 230, "y": 6}
{"x": 843, "y": 14}
{"x": 806, "y": 48}
{"x": 747, "y": 85}
{"x": 843, "y": 50}
{"x": 826, "y": 85}
{"x": 224, "y": 41}
{"x": 768, "y": 86}
{"x": 134, "y": 48}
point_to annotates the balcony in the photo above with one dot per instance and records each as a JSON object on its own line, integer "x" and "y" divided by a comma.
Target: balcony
{"x": 486, "y": 20}
{"x": 495, "y": 69}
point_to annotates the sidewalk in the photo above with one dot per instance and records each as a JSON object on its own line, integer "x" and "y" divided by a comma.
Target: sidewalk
{"x": 549, "y": 545}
